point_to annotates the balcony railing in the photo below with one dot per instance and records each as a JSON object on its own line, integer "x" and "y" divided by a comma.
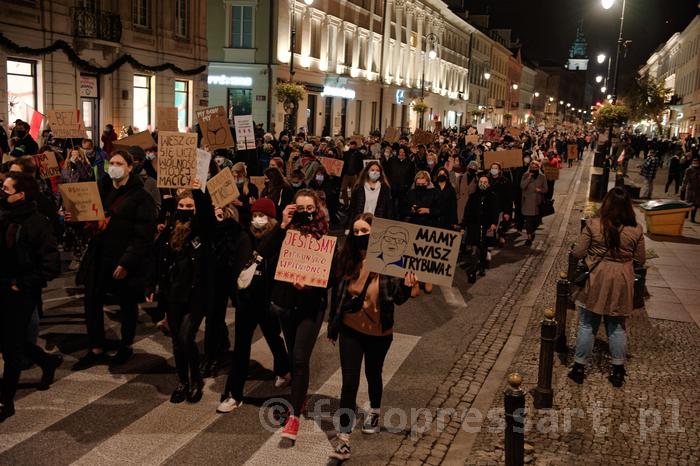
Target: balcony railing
{"x": 90, "y": 25}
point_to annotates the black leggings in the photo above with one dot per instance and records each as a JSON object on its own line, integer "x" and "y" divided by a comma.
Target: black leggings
{"x": 531, "y": 224}
{"x": 16, "y": 311}
{"x": 248, "y": 317}
{"x": 300, "y": 329}
{"x": 184, "y": 325}
{"x": 215, "y": 330}
{"x": 353, "y": 347}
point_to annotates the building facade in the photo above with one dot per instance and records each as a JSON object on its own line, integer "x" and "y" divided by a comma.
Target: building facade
{"x": 677, "y": 64}
{"x": 498, "y": 84}
{"x": 165, "y": 44}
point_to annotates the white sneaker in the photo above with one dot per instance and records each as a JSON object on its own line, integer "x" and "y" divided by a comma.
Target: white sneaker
{"x": 228, "y": 405}
{"x": 281, "y": 382}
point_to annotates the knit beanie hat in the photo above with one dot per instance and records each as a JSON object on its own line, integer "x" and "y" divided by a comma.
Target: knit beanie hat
{"x": 265, "y": 206}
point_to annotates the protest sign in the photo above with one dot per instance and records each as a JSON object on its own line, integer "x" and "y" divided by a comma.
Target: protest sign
{"x": 222, "y": 188}
{"x": 166, "y": 119}
{"x": 491, "y": 134}
{"x": 213, "y": 123}
{"x": 305, "y": 259}
{"x": 66, "y": 124}
{"x": 366, "y": 162}
{"x": 82, "y": 200}
{"x": 392, "y": 135}
{"x": 473, "y": 138}
{"x": 334, "y": 167}
{"x": 177, "y": 159}
{"x": 422, "y": 137}
{"x": 259, "y": 182}
{"x": 245, "y": 133}
{"x": 540, "y": 128}
{"x": 572, "y": 151}
{"x": 358, "y": 139}
{"x": 514, "y": 131}
{"x": 203, "y": 161}
{"x": 397, "y": 247}
{"x": 683, "y": 136}
{"x": 551, "y": 173}
{"x": 471, "y": 131}
{"x": 512, "y": 158}
{"x": 47, "y": 164}
{"x": 144, "y": 140}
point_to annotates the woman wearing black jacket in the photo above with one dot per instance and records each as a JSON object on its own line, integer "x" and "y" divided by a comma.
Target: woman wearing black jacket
{"x": 184, "y": 282}
{"x": 299, "y": 307}
{"x": 248, "y": 193}
{"x": 480, "y": 220}
{"x": 277, "y": 189}
{"x": 371, "y": 194}
{"x": 503, "y": 188}
{"x": 116, "y": 257}
{"x": 448, "y": 200}
{"x": 253, "y": 308}
{"x": 321, "y": 181}
{"x": 30, "y": 258}
{"x": 365, "y": 330}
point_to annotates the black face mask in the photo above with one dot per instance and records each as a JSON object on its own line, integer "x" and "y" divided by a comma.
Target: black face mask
{"x": 360, "y": 242}
{"x": 534, "y": 173}
{"x": 442, "y": 178}
{"x": 421, "y": 188}
{"x": 3, "y": 200}
{"x": 303, "y": 218}
{"x": 137, "y": 167}
{"x": 182, "y": 215}
{"x": 21, "y": 133}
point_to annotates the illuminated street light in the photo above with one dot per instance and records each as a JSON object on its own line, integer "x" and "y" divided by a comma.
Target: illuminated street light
{"x": 609, "y": 97}
{"x": 515, "y": 86}
{"x": 603, "y": 89}
{"x": 487, "y": 76}
{"x": 537, "y": 94}
{"x": 432, "y": 54}
{"x": 601, "y": 58}
{"x": 598, "y": 79}
{"x": 551, "y": 99}
{"x": 607, "y": 4}
{"x": 561, "y": 102}
{"x": 568, "y": 104}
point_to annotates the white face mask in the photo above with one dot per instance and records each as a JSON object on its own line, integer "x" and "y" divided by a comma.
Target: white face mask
{"x": 374, "y": 176}
{"x": 259, "y": 222}
{"x": 116, "y": 173}
{"x": 494, "y": 171}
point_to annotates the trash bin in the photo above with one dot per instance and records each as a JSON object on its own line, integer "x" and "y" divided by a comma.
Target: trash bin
{"x": 665, "y": 217}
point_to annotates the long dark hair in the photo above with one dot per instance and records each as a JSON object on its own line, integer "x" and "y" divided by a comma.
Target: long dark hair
{"x": 319, "y": 225}
{"x": 615, "y": 213}
{"x": 350, "y": 259}
{"x": 364, "y": 175}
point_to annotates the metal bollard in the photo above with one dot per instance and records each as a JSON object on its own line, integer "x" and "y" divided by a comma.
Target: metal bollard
{"x": 543, "y": 393}
{"x": 571, "y": 272}
{"x": 562, "y": 304}
{"x": 514, "y": 403}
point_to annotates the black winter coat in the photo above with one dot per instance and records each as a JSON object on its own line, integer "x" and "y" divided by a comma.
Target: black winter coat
{"x": 400, "y": 174}
{"x": 357, "y": 204}
{"x": 415, "y": 200}
{"x": 448, "y": 206}
{"x": 28, "y": 250}
{"x": 481, "y": 209}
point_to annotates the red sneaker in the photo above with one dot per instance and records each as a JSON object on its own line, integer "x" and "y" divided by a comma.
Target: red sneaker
{"x": 291, "y": 428}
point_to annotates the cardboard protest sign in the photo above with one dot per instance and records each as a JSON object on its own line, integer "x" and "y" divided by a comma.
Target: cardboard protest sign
{"x": 491, "y": 134}
{"x": 397, "y": 247}
{"x": 358, "y": 138}
{"x": 166, "y": 119}
{"x": 514, "y": 131}
{"x": 259, "y": 182}
{"x": 572, "y": 151}
{"x": 203, "y": 161}
{"x": 512, "y": 158}
{"x": 177, "y": 159}
{"x": 551, "y": 173}
{"x": 334, "y": 167}
{"x": 471, "y": 131}
{"x": 245, "y": 133}
{"x": 82, "y": 200}
{"x": 143, "y": 139}
{"x": 392, "y": 135}
{"x": 473, "y": 138}
{"x": 540, "y": 128}
{"x": 422, "y": 137}
{"x": 66, "y": 124}
{"x": 213, "y": 123}
{"x": 366, "y": 162}
{"x": 222, "y": 188}
{"x": 305, "y": 259}
{"x": 47, "y": 164}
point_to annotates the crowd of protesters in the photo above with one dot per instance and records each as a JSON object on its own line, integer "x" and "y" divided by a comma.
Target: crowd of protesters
{"x": 175, "y": 249}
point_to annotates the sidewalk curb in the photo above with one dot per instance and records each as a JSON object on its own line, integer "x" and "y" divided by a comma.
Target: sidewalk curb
{"x": 464, "y": 441}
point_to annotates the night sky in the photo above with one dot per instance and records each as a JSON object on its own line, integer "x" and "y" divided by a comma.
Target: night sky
{"x": 547, "y": 28}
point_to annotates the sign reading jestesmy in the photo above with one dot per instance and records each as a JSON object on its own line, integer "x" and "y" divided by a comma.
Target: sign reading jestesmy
{"x": 305, "y": 259}
{"x": 397, "y": 247}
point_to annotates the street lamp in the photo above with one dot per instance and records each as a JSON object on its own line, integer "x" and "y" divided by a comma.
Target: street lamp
{"x": 601, "y": 58}
{"x": 293, "y": 38}
{"x": 430, "y": 43}
{"x": 603, "y": 89}
{"x": 607, "y": 4}
{"x": 487, "y": 75}
{"x": 515, "y": 87}
{"x": 568, "y": 104}
{"x": 537, "y": 94}
{"x": 598, "y": 78}
{"x": 551, "y": 99}
{"x": 561, "y": 102}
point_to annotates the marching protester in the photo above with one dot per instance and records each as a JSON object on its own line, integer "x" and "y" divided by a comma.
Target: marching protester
{"x": 480, "y": 221}
{"x": 502, "y": 187}
{"x": 691, "y": 187}
{"x": 30, "y": 260}
{"x": 609, "y": 244}
{"x": 277, "y": 189}
{"x": 533, "y": 187}
{"x": 362, "y": 319}
{"x": 116, "y": 257}
{"x": 448, "y": 200}
{"x": 371, "y": 194}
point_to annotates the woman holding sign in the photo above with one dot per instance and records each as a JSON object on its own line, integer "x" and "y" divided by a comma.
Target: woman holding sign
{"x": 362, "y": 315}
{"x": 299, "y": 306}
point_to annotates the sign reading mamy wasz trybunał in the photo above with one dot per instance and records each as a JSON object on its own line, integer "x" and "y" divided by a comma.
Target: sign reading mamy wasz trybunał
{"x": 397, "y": 247}
{"x": 305, "y": 259}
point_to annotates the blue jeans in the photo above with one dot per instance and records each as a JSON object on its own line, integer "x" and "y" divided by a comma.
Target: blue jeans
{"x": 588, "y": 323}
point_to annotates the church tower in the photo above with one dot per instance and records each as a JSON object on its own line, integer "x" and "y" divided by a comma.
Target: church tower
{"x": 578, "y": 58}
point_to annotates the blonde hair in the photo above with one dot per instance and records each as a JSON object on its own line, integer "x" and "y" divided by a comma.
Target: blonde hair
{"x": 422, "y": 175}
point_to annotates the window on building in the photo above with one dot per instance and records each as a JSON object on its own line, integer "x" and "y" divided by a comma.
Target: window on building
{"x": 141, "y": 13}
{"x": 348, "y": 48}
{"x": 315, "y": 39}
{"x": 93, "y": 6}
{"x": 358, "y": 117}
{"x": 181, "y": 25}
{"x": 241, "y": 27}
{"x": 240, "y": 102}
{"x": 182, "y": 102}
{"x": 373, "y": 124}
{"x": 21, "y": 89}
{"x": 142, "y": 102}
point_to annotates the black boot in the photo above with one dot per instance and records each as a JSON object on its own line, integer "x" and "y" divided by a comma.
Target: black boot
{"x": 577, "y": 373}
{"x": 7, "y": 409}
{"x": 180, "y": 393}
{"x": 617, "y": 375}
{"x": 195, "y": 392}
{"x": 692, "y": 215}
{"x": 49, "y": 371}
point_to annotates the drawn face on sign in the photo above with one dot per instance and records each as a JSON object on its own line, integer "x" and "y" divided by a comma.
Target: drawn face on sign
{"x": 393, "y": 244}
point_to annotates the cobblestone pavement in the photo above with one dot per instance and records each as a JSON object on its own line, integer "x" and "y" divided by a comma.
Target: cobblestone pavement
{"x": 436, "y": 428}
{"x": 648, "y": 421}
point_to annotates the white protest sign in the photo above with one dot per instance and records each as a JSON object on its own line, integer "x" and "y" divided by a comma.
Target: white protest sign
{"x": 245, "y": 133}
{"x": 203, "y": 161}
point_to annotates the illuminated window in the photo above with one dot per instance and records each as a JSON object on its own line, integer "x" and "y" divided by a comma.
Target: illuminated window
{"x": 182, "y": 102}
{"x": 142, "y": 102}
{"x": 21, "y": 89}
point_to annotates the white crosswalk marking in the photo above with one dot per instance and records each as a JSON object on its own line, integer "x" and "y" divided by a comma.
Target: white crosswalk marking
{"x": 312, "y": 446}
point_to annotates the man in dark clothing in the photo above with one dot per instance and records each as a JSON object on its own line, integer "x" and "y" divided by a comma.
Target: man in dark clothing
{"x": 30, "y": 258}
{"x": 23, "y": 143}
{"x": 674, "y": 172}
{"x": 352, "y": 166}
{"x": 479, "y": 221}
{"x": 4, "y": 146}
{"x": 400, "y": 172}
